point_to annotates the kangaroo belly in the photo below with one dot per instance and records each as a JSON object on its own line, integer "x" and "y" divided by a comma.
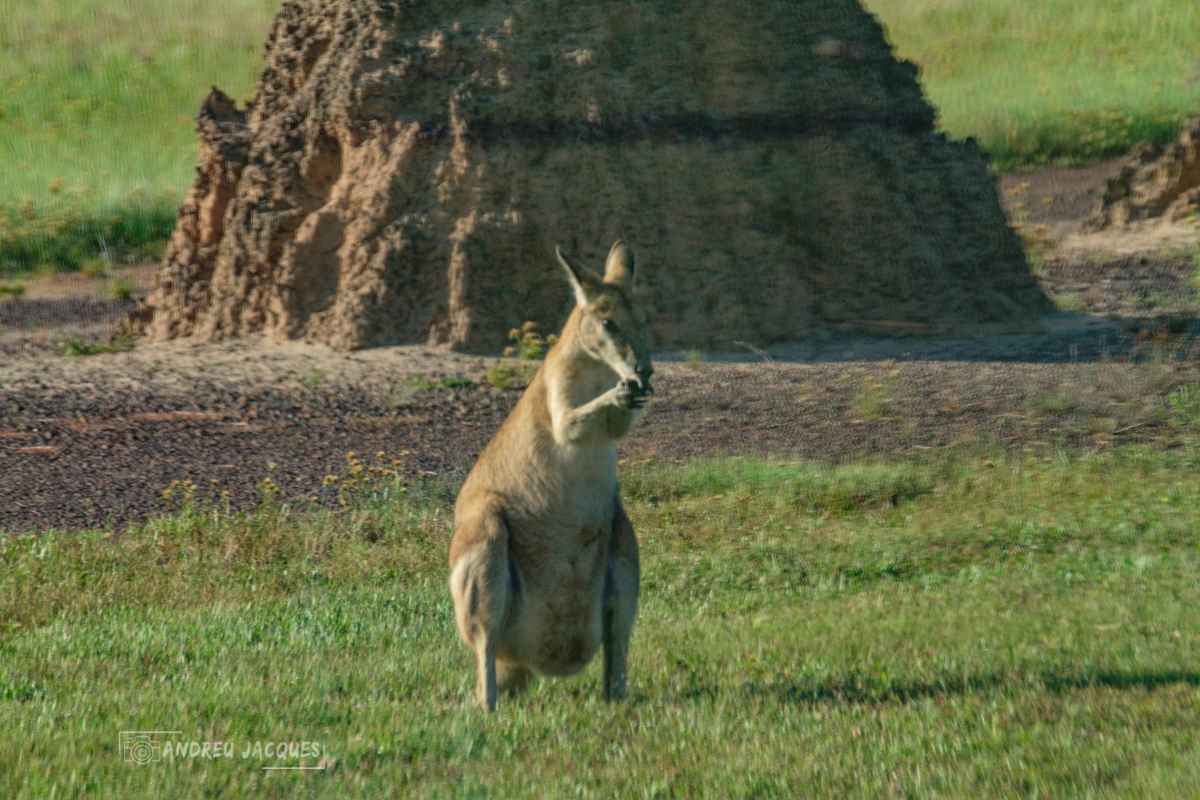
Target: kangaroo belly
{"x": 555, "y": 627}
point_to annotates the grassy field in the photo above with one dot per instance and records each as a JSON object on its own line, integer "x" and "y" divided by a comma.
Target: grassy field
{"x": 951, "y": 625}
{"x": 97, "y": 116}
{"x": 1061, "y": 81}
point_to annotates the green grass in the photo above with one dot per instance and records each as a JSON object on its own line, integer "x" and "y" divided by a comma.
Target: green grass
{"x": 1053, "y": 82}
{"x": 959, "y": 628}
{"x": 78, "y": 346}
{"x": 97, "y": 116}
{"x": 511, "y": 374}
{"x": 315, "y": 378}
{"x": 455, "y": 381}
{"x": 12, "y": 291}
{"x": 1184, "y": 403}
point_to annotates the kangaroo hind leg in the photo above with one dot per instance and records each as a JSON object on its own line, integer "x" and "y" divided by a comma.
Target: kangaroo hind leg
{"x": 621, "y": 580}
{"x": 480, "y": 584}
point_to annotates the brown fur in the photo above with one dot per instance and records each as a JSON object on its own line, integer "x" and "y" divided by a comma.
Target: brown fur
{"x": 544, "y": 562}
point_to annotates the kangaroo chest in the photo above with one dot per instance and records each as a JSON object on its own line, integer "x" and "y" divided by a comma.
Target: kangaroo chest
{"x": 566, "y": 536}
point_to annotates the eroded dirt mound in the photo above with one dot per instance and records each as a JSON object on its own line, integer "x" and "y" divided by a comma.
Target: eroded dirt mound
{"x": 402, "y": 174}
{"x": 1162, "y": 182}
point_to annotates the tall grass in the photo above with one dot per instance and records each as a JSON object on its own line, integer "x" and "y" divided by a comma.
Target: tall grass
{"x": 1059, "y": 81}
{"x": 97, "y": 115}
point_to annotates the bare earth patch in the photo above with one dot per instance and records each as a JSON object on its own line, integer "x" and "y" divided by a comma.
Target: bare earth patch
{"x": 94, "y": 441}
{"x": 1143, "y": 270}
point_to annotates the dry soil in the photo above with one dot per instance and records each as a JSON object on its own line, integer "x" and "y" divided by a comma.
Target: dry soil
{"x": 95, "y": 440}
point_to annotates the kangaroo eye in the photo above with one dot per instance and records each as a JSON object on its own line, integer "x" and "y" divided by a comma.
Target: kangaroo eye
{"x": 609, "y": 324}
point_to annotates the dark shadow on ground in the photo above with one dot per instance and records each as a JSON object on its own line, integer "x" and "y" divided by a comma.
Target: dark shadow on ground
{"x": 50, "y": 313}
{"x": 1064, "y": 338}
{"x": 859, "y": 688}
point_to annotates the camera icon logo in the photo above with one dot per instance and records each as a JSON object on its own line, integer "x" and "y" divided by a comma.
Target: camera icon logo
{"x": 140, "y": 747}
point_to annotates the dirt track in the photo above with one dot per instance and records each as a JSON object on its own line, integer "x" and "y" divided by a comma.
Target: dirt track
{"x": 94, "y": 441}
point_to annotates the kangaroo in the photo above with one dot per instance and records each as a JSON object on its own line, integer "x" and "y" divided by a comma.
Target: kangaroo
{"x": 544, "y": 561}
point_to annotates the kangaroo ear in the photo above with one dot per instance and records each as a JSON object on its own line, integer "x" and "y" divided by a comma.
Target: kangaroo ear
{"x": 579, "y": 276}
{"x": 619, "y": 269}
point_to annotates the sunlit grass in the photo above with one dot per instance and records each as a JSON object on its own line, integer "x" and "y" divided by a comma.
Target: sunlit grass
{"x": 101, "y": 98}
{"x": 1020, "y": 624}
{"x": 97, "y": 115}
{"x": 1053, "y": 82}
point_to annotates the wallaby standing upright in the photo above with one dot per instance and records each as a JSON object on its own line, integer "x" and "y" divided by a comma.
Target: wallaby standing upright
{"x": 544, "y": 561}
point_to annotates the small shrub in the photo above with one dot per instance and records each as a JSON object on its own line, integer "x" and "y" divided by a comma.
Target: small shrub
{"x": 150, "y": 251}
{"x": 11, "y": 291}
{"x": 1154, "y": 300}
{"x": 502, "y": 376}
{"x": 692, "y": 359}
{"x": 361, "y": 484}
{"x": 510, "y": 375}
{"x": 455, "y": 381}
{"x": 1061, "y": 402}
{"x": 77, "y": 346}
{"x": 94, "y": 267}
{"x": 314, "y": 379}
{"x": 527, "y": 343}
{"x": 119, "y": 289}
{"x": 528, "y": 346}
{"x": 872, "y": 400}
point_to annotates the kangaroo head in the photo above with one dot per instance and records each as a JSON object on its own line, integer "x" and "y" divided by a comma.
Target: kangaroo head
{"x": 612, "y": 325}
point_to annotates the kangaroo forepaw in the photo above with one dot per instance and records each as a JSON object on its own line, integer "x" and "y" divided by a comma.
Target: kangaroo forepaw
{"x": 633, "y": 393}
{"x": 629, "y": 401}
